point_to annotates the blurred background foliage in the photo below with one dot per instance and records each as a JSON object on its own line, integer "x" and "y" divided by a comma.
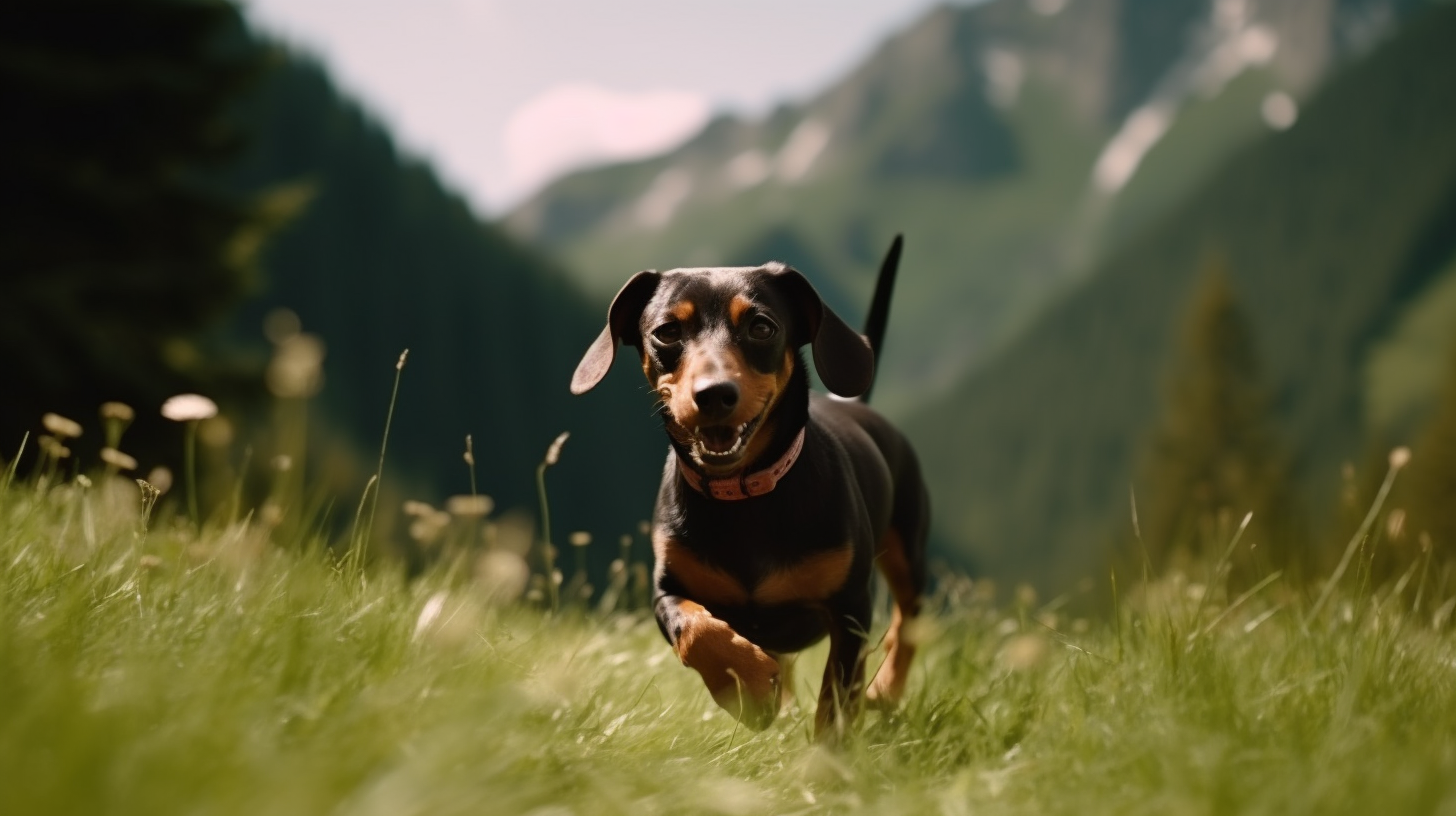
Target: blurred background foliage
{"x": 1200, "y": 252}
{"x": 118, "y": 247}
{"x": 171, "y": 179}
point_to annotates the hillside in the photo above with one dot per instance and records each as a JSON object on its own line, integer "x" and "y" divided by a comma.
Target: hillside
{"x": 1331, "y": 231}
{"x": 1003, "y": 138}
{"x": 380, "y": 258}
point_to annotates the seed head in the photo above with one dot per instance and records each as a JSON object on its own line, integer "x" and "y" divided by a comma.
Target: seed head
{"x": 502, "y": 574}
{"x": 117, "y": 411}
{"x": 117, "y": 459}
{"x": 1399, "y": 457}
{"x": 161, "y": 478}
{"x": 189, "y": 408}
{"x": 469, "y": 506}
{"x": 52, "y": 447}
{"x": 426, "y": 529}
{"x": 296, "y": 370}
{"x": 553, "y": 453}
{"x": 62, "y": 427}
{"x": 429, "y": 613}
{"x": 1395, "y": 524}
{"x": 1024, "y": 652}
{"x": 580, "y": 538}
{"x": 149, "y": 491}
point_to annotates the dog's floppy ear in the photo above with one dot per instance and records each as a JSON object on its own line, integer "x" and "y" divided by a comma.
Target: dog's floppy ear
{"x": 843, "y": 358}
{"x": 622, "y": 317}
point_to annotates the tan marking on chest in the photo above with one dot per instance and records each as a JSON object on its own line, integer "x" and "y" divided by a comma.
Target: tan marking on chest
{"x": 704, "y": 582}
{"x": 813, "y": 579}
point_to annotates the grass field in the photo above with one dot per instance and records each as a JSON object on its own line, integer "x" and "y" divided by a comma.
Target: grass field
{"x": 163, "y": 671}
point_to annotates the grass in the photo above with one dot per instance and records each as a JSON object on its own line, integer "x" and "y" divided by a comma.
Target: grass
{"x": 217, "y": 672}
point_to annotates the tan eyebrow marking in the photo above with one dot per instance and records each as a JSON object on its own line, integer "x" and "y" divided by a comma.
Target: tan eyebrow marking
{"x": 738, "y": 307}
{"x": 683, "y": 310}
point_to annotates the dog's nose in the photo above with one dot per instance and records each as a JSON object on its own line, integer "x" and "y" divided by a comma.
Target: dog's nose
{"x": 716, "y": 399}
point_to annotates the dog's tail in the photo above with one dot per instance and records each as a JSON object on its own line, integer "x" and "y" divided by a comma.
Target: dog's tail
{"x": 874, "y": 330}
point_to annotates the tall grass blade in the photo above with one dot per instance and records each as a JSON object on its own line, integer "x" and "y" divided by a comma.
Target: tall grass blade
{"x": 15, "y": 463}
{"x": 362, "y": 537}
{"x": 1398, "y": 458}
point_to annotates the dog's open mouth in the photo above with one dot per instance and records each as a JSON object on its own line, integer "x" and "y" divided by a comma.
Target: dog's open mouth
{"x": 723, "y": 444}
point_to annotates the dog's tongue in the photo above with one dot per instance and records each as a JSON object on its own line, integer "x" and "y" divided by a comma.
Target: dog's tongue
{"x": 719, "y": 440}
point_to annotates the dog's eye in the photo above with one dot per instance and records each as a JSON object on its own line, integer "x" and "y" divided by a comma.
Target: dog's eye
{"x": 762, "y": 328}
{"x": 668, "y": 333}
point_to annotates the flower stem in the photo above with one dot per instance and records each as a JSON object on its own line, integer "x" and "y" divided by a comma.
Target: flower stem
{"x": 191, "y": 457}
{"x": 548, "y": 556}
{"x": 357, "y": 551}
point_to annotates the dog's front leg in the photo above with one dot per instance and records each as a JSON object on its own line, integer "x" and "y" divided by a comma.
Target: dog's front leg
{"x": 843, "y": 687}
{"x": 742, "y": 678}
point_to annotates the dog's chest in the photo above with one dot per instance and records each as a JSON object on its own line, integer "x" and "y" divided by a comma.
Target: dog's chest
{"x": 754, "y": 579}
{"x": 799, "y": 544}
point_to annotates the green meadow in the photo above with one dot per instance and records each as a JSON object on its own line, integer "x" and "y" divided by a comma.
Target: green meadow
{"x": 150, "y": 667}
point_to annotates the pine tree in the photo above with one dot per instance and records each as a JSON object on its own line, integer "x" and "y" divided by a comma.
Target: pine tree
{"x": 115, "y": 249}
{"x": 1213, "y": 456}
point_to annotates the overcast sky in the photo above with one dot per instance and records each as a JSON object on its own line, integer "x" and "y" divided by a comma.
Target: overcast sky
{"x": 501, "y": 96}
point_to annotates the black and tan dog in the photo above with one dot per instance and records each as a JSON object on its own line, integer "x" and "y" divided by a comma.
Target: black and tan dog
{"x": 775, "y": 504}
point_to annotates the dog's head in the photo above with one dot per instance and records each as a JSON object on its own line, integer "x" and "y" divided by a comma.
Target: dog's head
{"x": 719, "y": 346}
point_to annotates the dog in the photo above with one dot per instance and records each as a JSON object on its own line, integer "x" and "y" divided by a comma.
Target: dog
{"x": 776, "y": 504}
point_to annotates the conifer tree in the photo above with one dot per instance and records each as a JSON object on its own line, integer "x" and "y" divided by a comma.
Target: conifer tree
{"x": 115, "y": 249}
{"x": 1213, "y": 456}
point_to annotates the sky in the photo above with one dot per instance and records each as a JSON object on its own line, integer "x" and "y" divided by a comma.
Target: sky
{"x": 500, "y": 97}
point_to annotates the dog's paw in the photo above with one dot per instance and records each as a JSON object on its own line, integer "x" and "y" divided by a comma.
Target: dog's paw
{"x": 884, "y": 695}
{"x": 888, "y": 687}
{"x": 743, "y": 679}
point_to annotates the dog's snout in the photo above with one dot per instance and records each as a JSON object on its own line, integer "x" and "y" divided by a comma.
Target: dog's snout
{"x": 715, "y": 399}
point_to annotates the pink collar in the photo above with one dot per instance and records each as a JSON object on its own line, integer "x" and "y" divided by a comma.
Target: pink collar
{"x": 743, "y": 487}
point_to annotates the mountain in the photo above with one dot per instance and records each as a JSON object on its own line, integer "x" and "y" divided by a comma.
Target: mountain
{"x": 381, "y": 257}
{"x": 1339, "y": 237}
{"x": 1004, "y": 138}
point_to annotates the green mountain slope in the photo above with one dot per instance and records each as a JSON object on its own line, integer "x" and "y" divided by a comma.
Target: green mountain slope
{"x": 1329, "y": 231}
{"x": 976, "y": 132}
{"x": 383, "y": 258}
